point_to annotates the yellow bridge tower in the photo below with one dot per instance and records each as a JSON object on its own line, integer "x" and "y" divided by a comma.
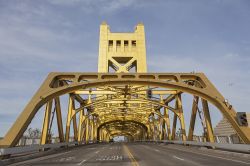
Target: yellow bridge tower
{"x": 122, "y": 52}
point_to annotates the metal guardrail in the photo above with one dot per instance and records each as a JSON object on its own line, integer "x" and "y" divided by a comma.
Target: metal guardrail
{"x": 33, "y": 148}
{"x": 243, "y": 148}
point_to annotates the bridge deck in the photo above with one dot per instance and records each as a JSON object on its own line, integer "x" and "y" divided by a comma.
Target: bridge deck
{"x": 140, "y": 154}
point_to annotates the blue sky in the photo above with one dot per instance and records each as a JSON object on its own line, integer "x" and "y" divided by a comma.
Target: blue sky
{"x": 38, "y": 37}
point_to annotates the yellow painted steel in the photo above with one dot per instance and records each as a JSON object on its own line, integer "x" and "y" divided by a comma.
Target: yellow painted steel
{"x": 163, "y": 130}
{"x": 50, "y": 93}
{"x": 122, "y": 51}
{"x": 80, "y": 125}
{"x": 87, "y": 131}
{"x": 92, "y": 129}
{"x": 210, "y": 135}
{"x": 117, "y": 102}
{"x": 193, "y": 118}
{"x": 167, "y": 123}
{"x": 70, "y": 109}
{"x": 181, "y": 117}
{"x": 44, "y": 136}
{"x": 59, "y": 119}
{"x": 174, "y": 127}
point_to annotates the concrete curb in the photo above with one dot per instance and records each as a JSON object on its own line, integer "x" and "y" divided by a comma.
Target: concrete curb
{"x": 39, "y": 154}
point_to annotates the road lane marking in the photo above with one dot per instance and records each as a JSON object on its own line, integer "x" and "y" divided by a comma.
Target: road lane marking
{"x": 41, "y": 158}
{"x": 84, "y": 160}
{"x": 178, "y": 158}
{"x": 131, "y": 157}
{"x": 66, "y": 159}
{"x": 110, "y": 158}
{"x": 210, "y": 155}
{"x": 81, "y": 162}
{"x": 156, "y": 150}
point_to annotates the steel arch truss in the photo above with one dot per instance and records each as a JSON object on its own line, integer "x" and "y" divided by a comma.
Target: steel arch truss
{"x": 118, "y": 103}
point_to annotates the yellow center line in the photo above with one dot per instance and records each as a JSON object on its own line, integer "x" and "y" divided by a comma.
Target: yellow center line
{"x": 131, "y": 157}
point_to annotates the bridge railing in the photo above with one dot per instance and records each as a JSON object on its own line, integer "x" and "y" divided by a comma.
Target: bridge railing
{"x": 243, "y": 148}
{"x": 33, "y": 148}
{"x": 18, "y": 150}
{"x": 24, "y": 141}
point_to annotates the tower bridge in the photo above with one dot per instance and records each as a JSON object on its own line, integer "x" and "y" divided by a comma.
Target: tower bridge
{"x": 123, "y": 99}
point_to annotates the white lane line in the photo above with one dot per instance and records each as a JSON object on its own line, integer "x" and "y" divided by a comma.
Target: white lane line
{"x": 156, "y": 150}
{"x": 210, "y": 156}
{"x": 81, "y": 162}
{"x": 41, "y": 158}
{"x": 97, "y": 152}
{"x": 178, "y": 158}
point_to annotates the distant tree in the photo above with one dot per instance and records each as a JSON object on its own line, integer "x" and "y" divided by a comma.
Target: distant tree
{"x": 178, "y": 133}
{"x": 33, "y": 133}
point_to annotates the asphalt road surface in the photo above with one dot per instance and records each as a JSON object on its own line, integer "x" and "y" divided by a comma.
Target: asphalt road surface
{"x": 135, "y": 154}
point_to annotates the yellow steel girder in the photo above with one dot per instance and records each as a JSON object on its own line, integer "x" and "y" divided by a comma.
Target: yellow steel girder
{"x": 181, "y": 82}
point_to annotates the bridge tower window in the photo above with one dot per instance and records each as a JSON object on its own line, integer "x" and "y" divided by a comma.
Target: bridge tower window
{"x": 118, "y": 45}
{"x": 125, "y": 45}
{"x": 110, "y": 45}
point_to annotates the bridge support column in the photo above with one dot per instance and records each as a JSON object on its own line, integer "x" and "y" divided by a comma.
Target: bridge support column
{"x": 107, "y": 137}
{"x": 174, "y": 127}
{"x": 95, "y": 131}
{"x": 154, "y": 132}
{"x": 159, "y": 127}
{"x": 87, "y": 130}
{"x": 210, "y": 135}
{"x": 71, "y": 115}
{"x": 181, "y": 117}
{"x": 193, "y": 118}
{"x": 59, "y": 119}
{"x": 46, "y": 121}
{"x": 75, "y": 126}
{"x": 100, "y": 138}
{"x": 148, "y": 131}
{"x": 166, "y": 114}
{"x": 92, "y": 129}
{"x": 80, "y": 125}
{"x": 104, "y": 135}
{"x": 163, "y": 130}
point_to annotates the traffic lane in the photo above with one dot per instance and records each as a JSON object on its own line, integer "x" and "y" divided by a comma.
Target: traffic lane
{"x": 73, "y": 157}
{"x": 111, "y": 156}
{"x": 224, "y": 155}
{"x": 150, "y": 154}
{"x": 206, "y": 158}
{"x": 131, "y": 154}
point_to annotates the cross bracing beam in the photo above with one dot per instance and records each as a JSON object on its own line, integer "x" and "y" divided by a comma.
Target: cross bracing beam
{"x": 123, "y": 84}
{"x": 106, "y": 92}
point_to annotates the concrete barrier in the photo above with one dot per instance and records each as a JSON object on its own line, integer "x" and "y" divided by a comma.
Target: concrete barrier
{"x": 243, "y": 148}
